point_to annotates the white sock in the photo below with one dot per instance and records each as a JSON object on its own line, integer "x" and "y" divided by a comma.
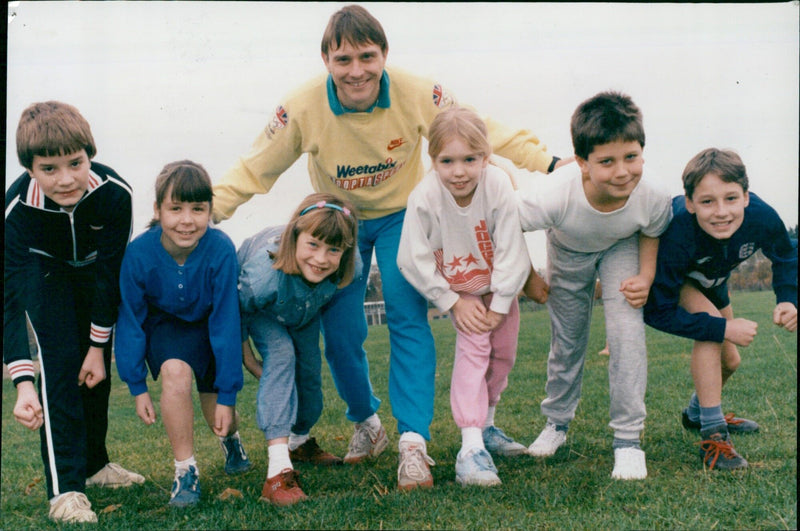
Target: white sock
{"x": 234, "y": 435}
{"x": 295, "y": 440}
{"x": 373, "y": 422}
{"x": 183, "y": 466}
{"x": 278, "y": 459}
{"x": 471, "y": 438}
{"x": 412, "y": 437}
{"x": 489, "y": 417}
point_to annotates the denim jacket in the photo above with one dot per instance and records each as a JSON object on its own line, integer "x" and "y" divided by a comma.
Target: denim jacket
{"x": 287, "y": 298}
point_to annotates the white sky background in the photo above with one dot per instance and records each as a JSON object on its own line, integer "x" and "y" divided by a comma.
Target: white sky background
{"x": 162, "y": 81}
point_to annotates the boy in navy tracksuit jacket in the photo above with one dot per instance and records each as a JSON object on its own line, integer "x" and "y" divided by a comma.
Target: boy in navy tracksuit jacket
{"x": 67, "y": 223}
{"x": 715, "y": 227}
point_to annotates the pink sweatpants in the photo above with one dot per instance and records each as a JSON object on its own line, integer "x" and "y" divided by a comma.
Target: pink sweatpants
{"x": 481, "y": 368}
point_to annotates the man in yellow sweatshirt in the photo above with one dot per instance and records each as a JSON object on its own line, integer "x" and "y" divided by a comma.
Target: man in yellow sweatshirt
{"x": 362, "y": 127}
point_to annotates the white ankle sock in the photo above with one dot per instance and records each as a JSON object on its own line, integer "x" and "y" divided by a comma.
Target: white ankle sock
{"x": 471, "y": 438}
{"x": 295, "y": 440}
{"x": 489, "y": 417}
{"x": 183, "y": 466}
{"x": 278, "y": 459}
{"x": 412, "y": 437}
{"x": 373, "y": 422}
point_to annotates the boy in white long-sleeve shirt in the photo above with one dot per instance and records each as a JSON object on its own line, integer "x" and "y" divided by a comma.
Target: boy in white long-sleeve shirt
{"x": 462, "y": 248}
{"x": 601, "y": 220}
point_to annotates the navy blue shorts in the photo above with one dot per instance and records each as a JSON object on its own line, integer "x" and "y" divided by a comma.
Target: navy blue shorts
{"x": 169, "y": 337}
{"x": 718, "y": 295}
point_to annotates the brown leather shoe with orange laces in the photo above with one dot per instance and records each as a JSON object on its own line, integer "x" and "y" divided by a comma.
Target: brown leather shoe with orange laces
{"x": 283, "y": 488}
{"x": 716, "y": 451}
{"x": 310, "y": 452}
{"x": 735, "y": 424}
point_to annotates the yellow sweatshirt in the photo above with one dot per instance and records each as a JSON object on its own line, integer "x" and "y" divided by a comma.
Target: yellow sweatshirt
{"x": 373, "y": 159}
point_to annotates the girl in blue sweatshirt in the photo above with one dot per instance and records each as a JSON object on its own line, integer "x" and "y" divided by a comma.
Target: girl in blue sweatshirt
{"x": 180, "y": 316}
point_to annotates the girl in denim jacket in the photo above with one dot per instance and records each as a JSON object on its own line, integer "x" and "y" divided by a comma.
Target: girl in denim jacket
{"x": 287, "y": 274}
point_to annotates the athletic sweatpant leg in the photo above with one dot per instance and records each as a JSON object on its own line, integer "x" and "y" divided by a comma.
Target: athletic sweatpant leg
{"x": 57, "y": 333}
{"x": 344, "y": 329}
{"x": 572, "y": 279}
{"x": 627, "y": 364}
{"x": 504, "y": 354}
{"x": 412, "y": 363}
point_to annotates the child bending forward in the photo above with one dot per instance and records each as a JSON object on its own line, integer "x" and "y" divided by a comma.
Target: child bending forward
{"x": 462, "y": 248}
{"x": 180, "y": 315}
{"x": 287, "y": 275}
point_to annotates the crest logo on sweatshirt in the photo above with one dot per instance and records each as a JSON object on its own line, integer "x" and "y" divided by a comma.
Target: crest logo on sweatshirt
{"x": 747, "y": 249}
{"x": 279, "y": 120}
{"x": 441, "y": 98}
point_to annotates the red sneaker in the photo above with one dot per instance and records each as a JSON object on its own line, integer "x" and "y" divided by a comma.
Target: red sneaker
{"x": 283, "y": 489}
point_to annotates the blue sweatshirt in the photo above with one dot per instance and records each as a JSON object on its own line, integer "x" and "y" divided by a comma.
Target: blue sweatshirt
{"x": 686, "y": 251}
{"x": 204, "y": 287}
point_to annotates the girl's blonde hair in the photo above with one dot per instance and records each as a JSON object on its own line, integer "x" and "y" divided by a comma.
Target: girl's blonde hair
{"x": 327, "y": 218}
{"x": 458, "y": 122}
{"x": 190, "y": 183}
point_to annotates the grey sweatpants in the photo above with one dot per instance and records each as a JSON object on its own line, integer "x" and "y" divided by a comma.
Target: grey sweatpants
{"x": 572, "y": 281}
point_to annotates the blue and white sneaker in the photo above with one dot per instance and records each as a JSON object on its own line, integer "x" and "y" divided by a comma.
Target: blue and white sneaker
{"x": 475, "y": 467}
{"x": 498, "y": 443}
{"x": 236, "y": 461}
{"x": 186, "y": 489}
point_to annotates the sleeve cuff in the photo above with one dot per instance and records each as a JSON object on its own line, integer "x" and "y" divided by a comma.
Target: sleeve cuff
{"x": 21, "y": 370}
{"x": 501, "y": 304}
{"x": 99, "y": 335}
{"x": 226, "y": 399}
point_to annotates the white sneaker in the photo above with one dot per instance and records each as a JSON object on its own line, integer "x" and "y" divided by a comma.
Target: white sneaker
{"x": 414, "y": 470}
{"x": 475, "y": 467}
{"x": 497, "y": 442}
{"x": 548, "y": 441}
{"x": 72, "y": 506}
{"x": 629, "y": 463}
{"x": 366, "y": 443}
{"x": 114, "y": 476}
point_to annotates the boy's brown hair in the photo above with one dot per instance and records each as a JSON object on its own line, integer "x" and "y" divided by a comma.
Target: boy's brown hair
{"x": 604, "y": 118}
{"x": 724, "y": 163}
{"x": 50, "y": 129}
{"x": 458, "y": 122}
{"x": 335, "y": 226}
{"x": 190, "y": 183}
{"x": 355, "y": 25}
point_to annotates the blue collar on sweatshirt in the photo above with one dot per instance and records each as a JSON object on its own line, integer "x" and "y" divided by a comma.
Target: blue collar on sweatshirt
{"x": 383, "y": 100}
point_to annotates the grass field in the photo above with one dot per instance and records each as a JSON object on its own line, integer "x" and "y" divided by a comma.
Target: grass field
{"x": 572, "y": 490}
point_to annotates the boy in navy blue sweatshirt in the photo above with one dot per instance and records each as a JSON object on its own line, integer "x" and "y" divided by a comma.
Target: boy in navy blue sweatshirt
{"x": 715, "y": 227}
{"x": 67, "y": 223}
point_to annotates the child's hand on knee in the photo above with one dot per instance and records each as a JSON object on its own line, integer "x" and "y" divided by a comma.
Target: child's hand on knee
{"x": 469, "y": 315}
{"x": 740, "y": 331}
{"x": 636, "y": 289}
{"x": 145, "y": 409}
{"x": 785, "y": 315}
{"x": 223, "y": 420}
{"x": 536, "y": 288}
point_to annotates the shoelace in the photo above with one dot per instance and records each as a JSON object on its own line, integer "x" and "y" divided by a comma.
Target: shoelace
{"x": 363, "y": 439}
{"x": 730, "y": 419}
{"x": 413, "y": 462}
{"x": 716, "y": 448}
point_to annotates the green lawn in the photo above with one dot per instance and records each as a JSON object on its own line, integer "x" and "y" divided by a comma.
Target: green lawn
{"x": 572, "y": 490}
